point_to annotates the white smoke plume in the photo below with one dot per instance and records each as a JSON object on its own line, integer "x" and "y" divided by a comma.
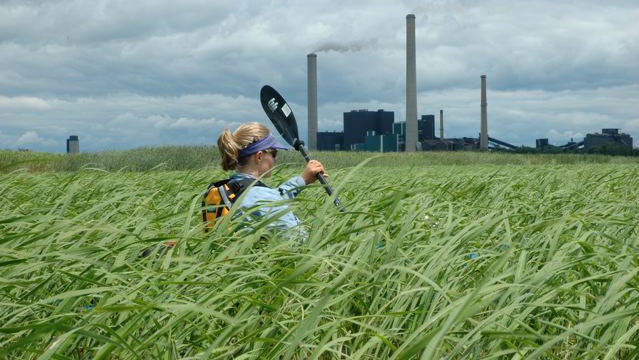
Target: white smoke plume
{"x": 349, "y": 47}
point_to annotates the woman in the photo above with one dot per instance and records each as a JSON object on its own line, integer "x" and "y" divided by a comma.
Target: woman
{"x": 252, "y": 152}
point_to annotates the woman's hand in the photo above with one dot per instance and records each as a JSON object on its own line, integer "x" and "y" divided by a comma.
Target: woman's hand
{"x": 313, "y": 167}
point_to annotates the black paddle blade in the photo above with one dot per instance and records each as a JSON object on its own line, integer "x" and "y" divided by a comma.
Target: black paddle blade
{"x": 279, "y": 113}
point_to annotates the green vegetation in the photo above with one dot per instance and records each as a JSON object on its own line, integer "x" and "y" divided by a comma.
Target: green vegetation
{"x": 206, "y": 157}
{"x": 608, "y": 149}
{"x": 452, "y": 256}
{"x": 141, "y": 159}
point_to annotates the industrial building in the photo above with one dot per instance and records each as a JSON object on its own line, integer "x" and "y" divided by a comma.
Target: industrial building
{"x": 425, "y": 132}
{"x": 73, "y": 144}
{"x": 426, "y": 128}
{"x": 541, "y": 144}
{"x": 381, "y": 143}
{"x": 358, "y": 123}
{"x": 399, "y": 128}
{"x": 363, "y": 131}
{"x": 377, "y": 143}
{"x": 608, "y": 139}
{"x": 330, "y": 141}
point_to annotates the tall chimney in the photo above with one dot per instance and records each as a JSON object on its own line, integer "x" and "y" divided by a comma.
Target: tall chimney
{"x": 312, "y": 101}
{"x": 441, "y": 125}
{"x": 483, "y": 137}
{"x": 411, "y": 85}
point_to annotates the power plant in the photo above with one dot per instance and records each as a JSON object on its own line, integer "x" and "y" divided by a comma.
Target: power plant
{"x": 377, "y": 131}
{"x": 363, "y": 128}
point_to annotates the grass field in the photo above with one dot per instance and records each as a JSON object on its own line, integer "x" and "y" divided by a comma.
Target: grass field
{"x": 443, "y": 256}
{"x": 205, "y": 157}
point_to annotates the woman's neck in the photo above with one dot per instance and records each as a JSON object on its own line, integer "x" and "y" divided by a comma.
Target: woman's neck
{"x": 249, "y": 171}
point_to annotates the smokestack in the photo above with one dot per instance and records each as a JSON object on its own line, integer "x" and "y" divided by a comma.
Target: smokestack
{"x": 483, "y": 137}
{"x": 441, "y": 125}
{"x": 312, "y": 101}
{"x": 411, "y": 86}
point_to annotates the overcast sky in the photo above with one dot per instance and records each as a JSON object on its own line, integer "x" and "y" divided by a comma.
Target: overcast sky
{"x": 126, "y": 74}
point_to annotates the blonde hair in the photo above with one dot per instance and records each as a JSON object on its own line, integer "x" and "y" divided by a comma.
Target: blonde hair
{"x": 230, "y": 144}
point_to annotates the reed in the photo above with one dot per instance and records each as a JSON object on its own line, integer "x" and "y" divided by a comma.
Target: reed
{"x": 173, "y": 158}
{"x": 481, "y": 261}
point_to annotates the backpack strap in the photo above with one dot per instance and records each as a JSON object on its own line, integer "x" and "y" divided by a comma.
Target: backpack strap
{"x": 237, "y": 187}
{"x": 231, "y": 189}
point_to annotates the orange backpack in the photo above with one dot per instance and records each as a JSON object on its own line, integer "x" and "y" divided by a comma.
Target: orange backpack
{"x": 220, "y": 196}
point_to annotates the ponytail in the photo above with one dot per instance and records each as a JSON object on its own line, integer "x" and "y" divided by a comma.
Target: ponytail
{"x": 229, "y": 150}
{"x": 230, "y": 144}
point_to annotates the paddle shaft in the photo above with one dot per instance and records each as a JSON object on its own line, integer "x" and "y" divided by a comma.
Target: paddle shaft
{"x": 299, "y": 146}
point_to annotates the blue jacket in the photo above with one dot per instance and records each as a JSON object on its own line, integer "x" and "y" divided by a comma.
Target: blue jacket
{"x": 267, "y": 202}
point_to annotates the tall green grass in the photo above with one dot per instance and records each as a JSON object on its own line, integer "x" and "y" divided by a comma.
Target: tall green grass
{"x": 444, "y": 262}
{"x": 141, "y": 159}
{"x": 171, "y": 158}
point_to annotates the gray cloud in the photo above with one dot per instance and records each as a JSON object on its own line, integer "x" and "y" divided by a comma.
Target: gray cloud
{"x": 166, "y": 72}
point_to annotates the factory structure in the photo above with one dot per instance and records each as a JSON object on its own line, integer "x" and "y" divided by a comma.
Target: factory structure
{"x": 377, "y": 131}
{"x": 73, "y": 145}
{"x": 609, "y": 141}
{"x": 607, "y": 138}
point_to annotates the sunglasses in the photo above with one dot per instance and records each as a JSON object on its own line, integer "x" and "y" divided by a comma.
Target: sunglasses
{"x": 273, "y": 152}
